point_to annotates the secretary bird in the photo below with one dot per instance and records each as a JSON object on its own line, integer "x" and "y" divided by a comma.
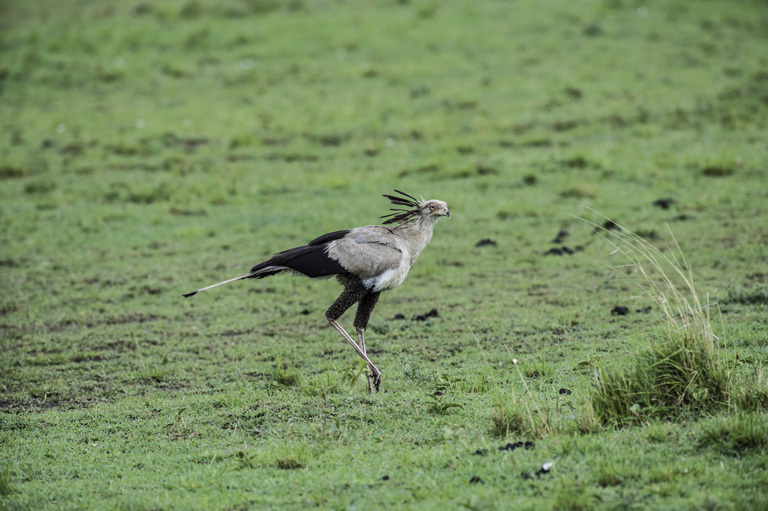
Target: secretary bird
{"x": 365, "y": 260}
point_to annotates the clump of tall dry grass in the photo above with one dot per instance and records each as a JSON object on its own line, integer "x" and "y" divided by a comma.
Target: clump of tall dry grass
{"x": 684, "y": 369}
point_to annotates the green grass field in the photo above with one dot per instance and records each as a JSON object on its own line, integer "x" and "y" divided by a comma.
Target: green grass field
{"x": 150, "y": 148}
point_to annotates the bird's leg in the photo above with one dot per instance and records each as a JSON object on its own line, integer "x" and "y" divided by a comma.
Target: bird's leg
{"x": 361, "y": 339}
{"x": 361, "y": 343}
{"x": 348, "y": 338}
{"x": 353, "y": 292}
{"x": 364, "y": 310}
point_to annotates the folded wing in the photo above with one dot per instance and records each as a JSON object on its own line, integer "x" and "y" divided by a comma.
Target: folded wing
{"x": 311, "y": 259}
{"x": 367, "y": 252}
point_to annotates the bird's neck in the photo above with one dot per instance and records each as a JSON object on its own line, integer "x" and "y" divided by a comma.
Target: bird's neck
{"x": 416, "y": 235}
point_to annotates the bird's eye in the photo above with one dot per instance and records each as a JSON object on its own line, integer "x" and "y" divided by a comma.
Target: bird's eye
{"x": 432, "y": 207}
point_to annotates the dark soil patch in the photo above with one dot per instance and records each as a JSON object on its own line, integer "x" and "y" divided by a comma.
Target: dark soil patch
{"x": 561, "y": 235}
{"x": 619, "y": 310}
{"x": 426, "y": 315}
{"x": 563, "y": 250}
{"x": 11, "y": 172}
{"x": 717, "y": 171}
{"x": 664, "y": 203}
{"x": 236, "y": 333}
{"x": 527, "y": 445}
{"x": 418, "y": 317}
{"x": 608, "y": 225}
{"x": 487, "y": 242}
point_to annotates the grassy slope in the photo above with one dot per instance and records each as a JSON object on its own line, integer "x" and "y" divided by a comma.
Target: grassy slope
{"x": 149, "y": 149}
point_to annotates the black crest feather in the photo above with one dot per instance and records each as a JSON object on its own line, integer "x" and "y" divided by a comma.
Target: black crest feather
{"x": 400, "y": 214}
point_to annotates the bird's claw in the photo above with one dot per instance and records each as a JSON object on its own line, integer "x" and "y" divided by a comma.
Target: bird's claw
{"x": 374, "y": 382}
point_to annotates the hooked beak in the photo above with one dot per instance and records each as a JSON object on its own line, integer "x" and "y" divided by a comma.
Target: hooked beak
{"x": 448, "y": 213}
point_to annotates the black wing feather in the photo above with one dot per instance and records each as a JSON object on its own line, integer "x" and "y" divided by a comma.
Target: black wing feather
{"x": 310, "y": 259}
{"x": 326, "y": 238}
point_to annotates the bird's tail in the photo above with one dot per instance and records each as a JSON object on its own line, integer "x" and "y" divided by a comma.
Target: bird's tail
{"x": 241, "y": 277}
{"x": 257, "y": 272}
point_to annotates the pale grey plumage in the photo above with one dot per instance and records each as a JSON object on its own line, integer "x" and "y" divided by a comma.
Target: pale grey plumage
{"x": 366, "y": 252}
{"x": 366, "y": 260}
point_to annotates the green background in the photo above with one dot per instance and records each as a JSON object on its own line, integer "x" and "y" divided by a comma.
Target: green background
{"x": 150, "y": 148}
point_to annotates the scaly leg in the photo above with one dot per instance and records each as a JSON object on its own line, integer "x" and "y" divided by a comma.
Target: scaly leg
{"x": 361, "y": 343}
{"x": 376, "y": 372}
{"x": 354, "y": 292}
{"x": 364, "y": 310}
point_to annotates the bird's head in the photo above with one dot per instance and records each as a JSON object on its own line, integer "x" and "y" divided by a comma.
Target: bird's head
{"x": 434, "y": 208}
{"x": 431, "y": 209}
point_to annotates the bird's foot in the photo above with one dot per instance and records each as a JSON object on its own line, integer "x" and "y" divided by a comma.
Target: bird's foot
{"x": 374, "y": 381}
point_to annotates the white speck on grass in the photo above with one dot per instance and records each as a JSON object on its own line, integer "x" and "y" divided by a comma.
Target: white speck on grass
{"x": 61, "y": 128}
{"x": 642, "y": 11}
{"x": 118, "y": 61}
{"x": 140, "y": 123}
{"x": 390, "y": 141}
{"x": 514, "y": 361}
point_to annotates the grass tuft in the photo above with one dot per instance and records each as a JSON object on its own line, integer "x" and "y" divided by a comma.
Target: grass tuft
{"x": 283, "y": 374}
{"x": 586, "y": 421}
{"x": 11, "y": 172}
{"x": 607, "y": 475}
{"x": 6, "y": 488}
{"x": 752, "y": 396}
{"x": 290, "y": 456}
{"x": 505, "y": 421}
{"x": 736, "y": 434}
{"x": 323, "y": 384}
{"x": 523, "y": 416}
{"x": 151, "y": 375}
{"x": 754, "y": 296}
{"x": 682, "y": 371}
{"x": 288, "y": 464}
{"x": 440, "y": 403}
{"x": 681, "y": 375}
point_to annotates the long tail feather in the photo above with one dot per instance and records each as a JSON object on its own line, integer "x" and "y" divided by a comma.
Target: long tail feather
{"x": 241, "y": 277}
{"x": 310, "y": 260}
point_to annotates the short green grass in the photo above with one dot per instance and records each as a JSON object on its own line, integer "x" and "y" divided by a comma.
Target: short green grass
{"x": 150, "y": 148}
